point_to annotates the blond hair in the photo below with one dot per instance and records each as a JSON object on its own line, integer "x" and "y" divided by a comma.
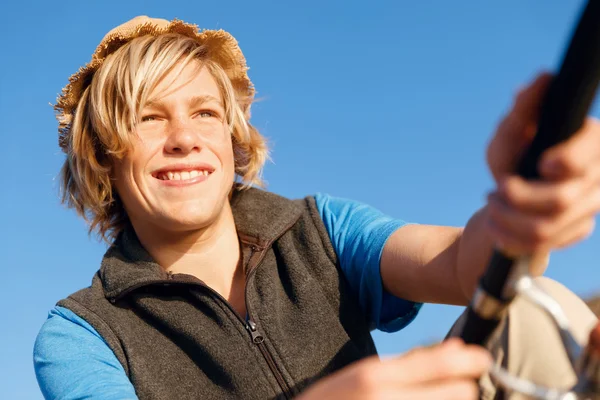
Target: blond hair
{"x": 106, "y": 115}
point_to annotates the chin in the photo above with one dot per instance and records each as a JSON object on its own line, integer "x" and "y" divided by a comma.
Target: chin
{"x": 186, "y": 224}
{"x": 197, "y": 216}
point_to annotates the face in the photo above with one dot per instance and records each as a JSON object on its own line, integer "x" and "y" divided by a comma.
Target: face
{"x": 179, "y": 173}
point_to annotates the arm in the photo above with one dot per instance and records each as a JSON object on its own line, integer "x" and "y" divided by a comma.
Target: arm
{"x": 358, "y": 234}
{"x": 72, "y": 361}
{"x": 440, "y": 264}
{"x": 443, "y": 265}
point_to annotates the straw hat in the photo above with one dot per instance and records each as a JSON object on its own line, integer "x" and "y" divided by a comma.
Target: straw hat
{"x": 221, "y": 47}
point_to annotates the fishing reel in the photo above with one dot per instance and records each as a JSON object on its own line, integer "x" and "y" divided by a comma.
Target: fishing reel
{"x": 584, "y": 360}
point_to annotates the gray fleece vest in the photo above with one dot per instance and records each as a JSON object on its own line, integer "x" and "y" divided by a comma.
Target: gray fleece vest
{"x": 178, "y": 339}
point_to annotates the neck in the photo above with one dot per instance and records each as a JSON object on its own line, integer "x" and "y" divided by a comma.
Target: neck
{"x": 211, "y": 254}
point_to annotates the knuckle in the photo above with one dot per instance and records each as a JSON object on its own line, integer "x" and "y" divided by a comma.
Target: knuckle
{"x": 443, "y": 364}
{"x": 450, "y": 359}
{"x": 566, "y": 159}
{"x": 366, "y": 378}
{"x": 564, "y": 199}
{"x": 539, "y": 233}
{"x": 466, "y": 360}
{"x": 570, "y": 162}
{"x": 511, "y": 192}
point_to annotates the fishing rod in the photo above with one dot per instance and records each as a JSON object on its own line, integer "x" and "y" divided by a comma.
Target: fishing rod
{"x": 563, "y": 112}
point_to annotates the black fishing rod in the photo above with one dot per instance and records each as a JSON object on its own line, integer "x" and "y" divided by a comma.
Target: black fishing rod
{"x": 563, "y": 112}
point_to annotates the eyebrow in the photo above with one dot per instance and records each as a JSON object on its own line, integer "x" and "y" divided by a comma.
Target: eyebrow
{"x": 192, "y": 101}
{"x": 206, "y": 98}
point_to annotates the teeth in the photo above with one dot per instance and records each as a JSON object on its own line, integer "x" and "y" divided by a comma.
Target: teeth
{"x": 184, "y": 175}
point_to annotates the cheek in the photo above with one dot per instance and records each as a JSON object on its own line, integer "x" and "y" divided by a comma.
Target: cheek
{"x": 132, "y": 167}
{"x": 230, "y": 158}
{"x": 120, "y": 177}
{"x": 224, "y": 151}
{"x": 123, "y": 175}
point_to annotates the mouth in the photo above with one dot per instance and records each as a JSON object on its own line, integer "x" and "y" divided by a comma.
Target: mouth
{"x": 184, "y": 174}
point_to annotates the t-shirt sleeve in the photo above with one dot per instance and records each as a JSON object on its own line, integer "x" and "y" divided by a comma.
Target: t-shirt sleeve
{"x": 358, "y": 233}
{"x": 72, "y": 361}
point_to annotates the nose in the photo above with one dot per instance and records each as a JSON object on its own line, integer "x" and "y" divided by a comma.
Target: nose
{"x": 182, "y": 138}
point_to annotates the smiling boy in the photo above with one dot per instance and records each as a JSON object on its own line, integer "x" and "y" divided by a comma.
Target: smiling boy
{"x": 212, "y": 288}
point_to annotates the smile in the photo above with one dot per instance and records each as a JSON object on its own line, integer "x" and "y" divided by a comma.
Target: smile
{"x": 181, "y": 175}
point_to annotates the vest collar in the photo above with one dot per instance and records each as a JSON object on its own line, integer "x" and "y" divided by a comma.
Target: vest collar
{"x": 260, "y": 218}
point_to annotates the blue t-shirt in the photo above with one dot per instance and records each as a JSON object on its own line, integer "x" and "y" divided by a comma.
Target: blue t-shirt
{"x": 72, "y": 360}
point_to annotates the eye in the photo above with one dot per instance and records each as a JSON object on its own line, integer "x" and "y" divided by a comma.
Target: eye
{"x": 148, "y": 118}
{"x": 207, "y": 114}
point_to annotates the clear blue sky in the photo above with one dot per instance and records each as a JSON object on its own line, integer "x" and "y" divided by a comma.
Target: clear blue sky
{"x": 387, "y": 102}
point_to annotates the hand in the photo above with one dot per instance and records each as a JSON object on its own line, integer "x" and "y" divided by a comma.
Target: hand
{"x": 442, "y": 372}
{"x": 533, "y": 217}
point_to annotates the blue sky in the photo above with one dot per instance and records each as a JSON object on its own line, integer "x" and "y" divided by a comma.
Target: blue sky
{"x": 387, "y": 102}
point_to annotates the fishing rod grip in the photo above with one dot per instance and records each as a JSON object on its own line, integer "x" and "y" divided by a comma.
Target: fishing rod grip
{"x": 563, "y": 111}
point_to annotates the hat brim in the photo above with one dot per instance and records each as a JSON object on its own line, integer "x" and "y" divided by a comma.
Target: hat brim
{"x": 221, "y": 47}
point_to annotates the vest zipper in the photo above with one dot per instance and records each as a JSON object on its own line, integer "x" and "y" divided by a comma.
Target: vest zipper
{"x": 256, "y": 256}
{"x": 258, "y": 340}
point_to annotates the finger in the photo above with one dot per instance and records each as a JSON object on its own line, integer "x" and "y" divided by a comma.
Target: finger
{"x": 526, "y": 226}
{"x": 545, "y": 198}
{"x": 517, "y": 128}
{"x": 462, "y": 389}
{"x": 446, "y": 361}
{"x": 577, "y": 232}
{"x": 574, "y": 156}
{"x": 522, "y": 232}
{"x": 528, "y": 100}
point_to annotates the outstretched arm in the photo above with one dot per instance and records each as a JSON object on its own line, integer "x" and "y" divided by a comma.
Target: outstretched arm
{"x": 440, "y": 264}
{"x": 443, "y": 264}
